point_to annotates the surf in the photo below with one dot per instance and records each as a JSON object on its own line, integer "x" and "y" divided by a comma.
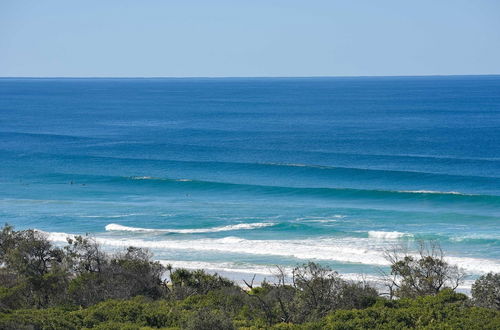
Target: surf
{"x": 345, "y": 250}
{"x": 240, "y": 226}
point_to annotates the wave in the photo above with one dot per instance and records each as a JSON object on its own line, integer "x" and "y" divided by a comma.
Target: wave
{"x": 387, "y": 234}
{"x": 329, "y": 193}
{"x": 230, "y": 267}
{"x": 249, "y": 268}
{"x": 411, "y": 157}
{"x": 159, "y": 179}
{"x": 258, "y": 269}
{"x": 185, "y": 184}
{"x": 435, "y": 192}
{"x": 240, "y": 226}
{"x": 371, "y": 176}
{"x": 492, "y": 238}
{"x": 353, "y": 250}
{"x": 237, "y": 271}
{"x": 322, "y": 220}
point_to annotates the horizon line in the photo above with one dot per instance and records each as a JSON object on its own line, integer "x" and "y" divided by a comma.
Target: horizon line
{"x": 246, "y": 77}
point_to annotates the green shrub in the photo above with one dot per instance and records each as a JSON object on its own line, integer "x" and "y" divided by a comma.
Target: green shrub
{"x": 486, "y": 291}
{"x": 208, "y": 319}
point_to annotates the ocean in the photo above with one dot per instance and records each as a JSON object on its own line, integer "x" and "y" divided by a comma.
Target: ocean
{"x": 238, "y": 175}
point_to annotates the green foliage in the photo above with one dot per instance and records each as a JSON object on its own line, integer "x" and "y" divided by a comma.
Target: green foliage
{"x": 322, "y": 290}
{"x": 81, "y": 287}
{"x": 486, "y": 291}
{"x": 139, "y": 311}
{"x": 186, "y": 282}
{"x": 50, "y": 318}
{"x": 38, "y": 274}
{"x": 36, "y": 269}
{"x": 423, "y": 274}
{"x": 209, "y": 320}
{"x": 446, "y": 310}
{"x": 311, "y": 293}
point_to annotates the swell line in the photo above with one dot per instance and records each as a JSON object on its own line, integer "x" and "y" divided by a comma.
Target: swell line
{"x": 240, "y": 226}
{"x": 319, "y": 192}
{"x": 321, "y": 168}
{"x": 187, "y": 185}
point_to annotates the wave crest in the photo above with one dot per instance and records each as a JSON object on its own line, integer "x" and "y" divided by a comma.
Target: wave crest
{"x": 435, "y": 192}
{"x": 354, "y": 250}
{"x": 387, "y": 234}
{"x": 240, "y": 226}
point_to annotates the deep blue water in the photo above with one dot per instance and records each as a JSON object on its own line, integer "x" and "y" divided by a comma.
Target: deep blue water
{"x": 242, "y": 174}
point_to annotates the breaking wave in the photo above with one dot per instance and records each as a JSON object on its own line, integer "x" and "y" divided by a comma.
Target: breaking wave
{"x": 240, "y": 226}
{"x": 387, "y": 234}
{"x": 353, "y": 250}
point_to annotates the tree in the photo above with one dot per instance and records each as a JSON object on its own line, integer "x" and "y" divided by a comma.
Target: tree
{"x": 7, "y": 241}
{"x": 190, "y": 282}
{"x": 486, "y": 291}
{"x": 311, "y": 291}
{"x": 40, "y": 274}
{"x": 100, "y": 276}
{"x": 321, "y": 290}
{"x": 85, "y": 255}
{"x": 421, "y": 274}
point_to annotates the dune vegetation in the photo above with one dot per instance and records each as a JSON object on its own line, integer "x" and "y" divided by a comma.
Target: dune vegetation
{"x": 79, "y": 286}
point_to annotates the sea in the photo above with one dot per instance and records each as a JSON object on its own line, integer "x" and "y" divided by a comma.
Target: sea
{"x": 241, "y": 175}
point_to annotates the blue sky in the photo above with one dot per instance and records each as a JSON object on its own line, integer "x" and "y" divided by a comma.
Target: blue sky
{"x": 152, "y": 38}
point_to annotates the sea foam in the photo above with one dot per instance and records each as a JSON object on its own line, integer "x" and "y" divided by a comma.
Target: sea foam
{"x": 387, "y": 234}
{"x": 358, "y": 250}
{"x": 434, "y": 192}
{"x": 240, "y": 226}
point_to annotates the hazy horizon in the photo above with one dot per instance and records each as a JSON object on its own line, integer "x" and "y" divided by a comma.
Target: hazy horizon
{"x": 247, "y": 77}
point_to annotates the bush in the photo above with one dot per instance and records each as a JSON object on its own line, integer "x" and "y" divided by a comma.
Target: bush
{"x": 310, "y": 293}
{"x": 34, "y": 273}
{"x": 486, "y": 291}
{"x": 186, "y": 282}
{"x": 94, "y": 290}
{"x": 209, "y": 320}
{"x": 34, "y": 267}
{"x": 425, "y": 273}
{"x": 446, "y": 310}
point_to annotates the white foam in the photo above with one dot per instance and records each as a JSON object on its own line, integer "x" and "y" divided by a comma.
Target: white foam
{"x": 434, "y": 192}
{"x": 236, "y": 271}
{"x": 157, "y": 179}
{"x": 240, "y": 226}
{"x": 323, "y": 220}
{"x": 474, "y": 236}
{"x": 391, "y": 235}
{"x": 240, "y": 269}
{"x": 353, "y": 250}
{"x": 229, "y": 267}
{"x": 246, "y": 268}
{"x": 321, "y": 249}
{"x": 333, "y": 218}
{"x": 475, "y": 264}
{"x": 144, "y": 178}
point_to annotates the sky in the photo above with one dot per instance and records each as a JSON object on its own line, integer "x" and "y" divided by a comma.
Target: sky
{"x": 235, "y": 38}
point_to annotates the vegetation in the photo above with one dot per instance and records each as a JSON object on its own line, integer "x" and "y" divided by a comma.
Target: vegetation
{"x": 426, "y": 273}
{"x": 486, "y": 291}
{"x": 78, "y": 286}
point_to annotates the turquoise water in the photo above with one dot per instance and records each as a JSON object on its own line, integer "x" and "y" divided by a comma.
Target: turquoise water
{"x": 238, "y": 175}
